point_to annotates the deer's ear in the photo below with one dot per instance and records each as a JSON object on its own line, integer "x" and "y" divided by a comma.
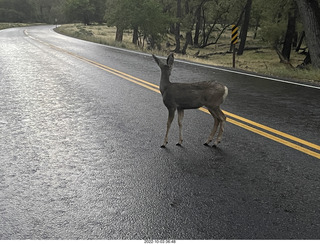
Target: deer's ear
{"x": 156, "y": 59}
{"x": 170, "y": 60}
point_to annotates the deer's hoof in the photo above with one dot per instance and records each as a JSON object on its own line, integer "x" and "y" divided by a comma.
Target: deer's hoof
{"x": 163, "y": 146}
{"x": 179, "y": 144}
{"x": 206, "y": 144}
{"x": 215, "y": 145}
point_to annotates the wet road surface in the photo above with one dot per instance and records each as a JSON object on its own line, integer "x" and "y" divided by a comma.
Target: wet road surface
{"x": 80, "y": 154}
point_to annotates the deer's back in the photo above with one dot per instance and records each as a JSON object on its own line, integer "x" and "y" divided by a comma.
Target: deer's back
{"x": 193, "y": 95}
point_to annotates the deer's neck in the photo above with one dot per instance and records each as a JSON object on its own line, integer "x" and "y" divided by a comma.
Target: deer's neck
{"x": 164, "y": 82}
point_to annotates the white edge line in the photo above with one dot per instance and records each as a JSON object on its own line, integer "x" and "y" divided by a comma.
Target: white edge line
{"x": 221, "y": 69}
{"x": 248, "y": 74}
{"x": 207, "y": 66}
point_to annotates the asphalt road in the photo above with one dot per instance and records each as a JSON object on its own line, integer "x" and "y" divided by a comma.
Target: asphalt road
{"x": 80, "y": 154}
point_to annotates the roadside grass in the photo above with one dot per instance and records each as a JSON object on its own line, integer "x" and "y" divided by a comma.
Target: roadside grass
{"x": 260, "y": 58}
{"x": 98, "y": 34}
{"x": 12, "y": 25}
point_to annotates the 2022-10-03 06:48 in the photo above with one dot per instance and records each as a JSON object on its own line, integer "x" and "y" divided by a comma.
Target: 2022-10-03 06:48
{"x": 159, "y": 241}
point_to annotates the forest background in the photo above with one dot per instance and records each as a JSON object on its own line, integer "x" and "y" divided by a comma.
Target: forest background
{"x": 277, "y": 37}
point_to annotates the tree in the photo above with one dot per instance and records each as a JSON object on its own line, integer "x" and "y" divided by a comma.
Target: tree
{"x": 188, "y": 23}
{"x": 152, "y": 22}
{"x": 177, "y": 27}
{"x": 86, "y": 11}
{"x": 212, "y": 18}
{"x": 79, "y": 10}
{"x": 145, "y": 17}
{"x": 245, "y": 27}
{"x": 273, "y": 20}
{"x": 279, "y": 25}
{"x": 290, "y": 33}
{"x": 99, "y": 10}
{"x": 119, "y": 14}
{"x": 48, "y": 11}
{"x": 217, "y": 17}
{"x": 310, "y": 15}
{"x": 16, "y": 11}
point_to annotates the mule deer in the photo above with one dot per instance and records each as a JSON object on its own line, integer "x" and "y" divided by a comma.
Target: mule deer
{"x": 180, "y": 96}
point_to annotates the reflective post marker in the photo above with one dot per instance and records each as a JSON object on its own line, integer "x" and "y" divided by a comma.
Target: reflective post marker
{"x": 234, "y": 40}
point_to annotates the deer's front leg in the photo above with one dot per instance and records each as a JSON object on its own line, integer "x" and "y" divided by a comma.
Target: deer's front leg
{"x": 180, "y": 118}
{"x": 170, "y": 119}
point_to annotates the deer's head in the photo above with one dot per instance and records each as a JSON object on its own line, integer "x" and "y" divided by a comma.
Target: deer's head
{"x": 165, "y": 67}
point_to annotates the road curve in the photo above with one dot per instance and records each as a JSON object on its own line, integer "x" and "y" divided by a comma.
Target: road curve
{"x": 81, "y": 126}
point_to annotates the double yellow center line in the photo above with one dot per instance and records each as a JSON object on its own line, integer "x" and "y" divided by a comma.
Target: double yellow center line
{"x": 265, "y": 131}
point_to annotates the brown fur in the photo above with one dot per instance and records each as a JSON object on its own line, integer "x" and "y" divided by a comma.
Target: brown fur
{"x": 180, "y": 96}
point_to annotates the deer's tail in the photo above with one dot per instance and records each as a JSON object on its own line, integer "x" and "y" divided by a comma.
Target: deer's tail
{"x": 225, "y": 93}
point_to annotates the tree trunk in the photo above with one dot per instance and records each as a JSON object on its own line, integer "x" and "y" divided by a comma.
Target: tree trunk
{"x": 86, "y": 20}
{"x": 177, "y": 29}
{"x": 310, "y": 14}
{"x": 188, "y": 41}
{"x": 177, "y": 38}
{"x": 282, "y": 58}
{"x": 256, "y": 27}
{"x": 135, "y": 36}
{"x": 291, "y": 29}
{"x": 203, "y": 27}
{"x": 119, "y": 34}
{"x": 198, "y": 26}
{"x": 300, "y": 41}
{"x": 245, "y": 27}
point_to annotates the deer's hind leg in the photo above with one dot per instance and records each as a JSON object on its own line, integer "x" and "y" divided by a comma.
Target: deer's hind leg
{"x": 170, "y": 119}
{"x": 222, "y": 119}
{"x": 215, "y": 126}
